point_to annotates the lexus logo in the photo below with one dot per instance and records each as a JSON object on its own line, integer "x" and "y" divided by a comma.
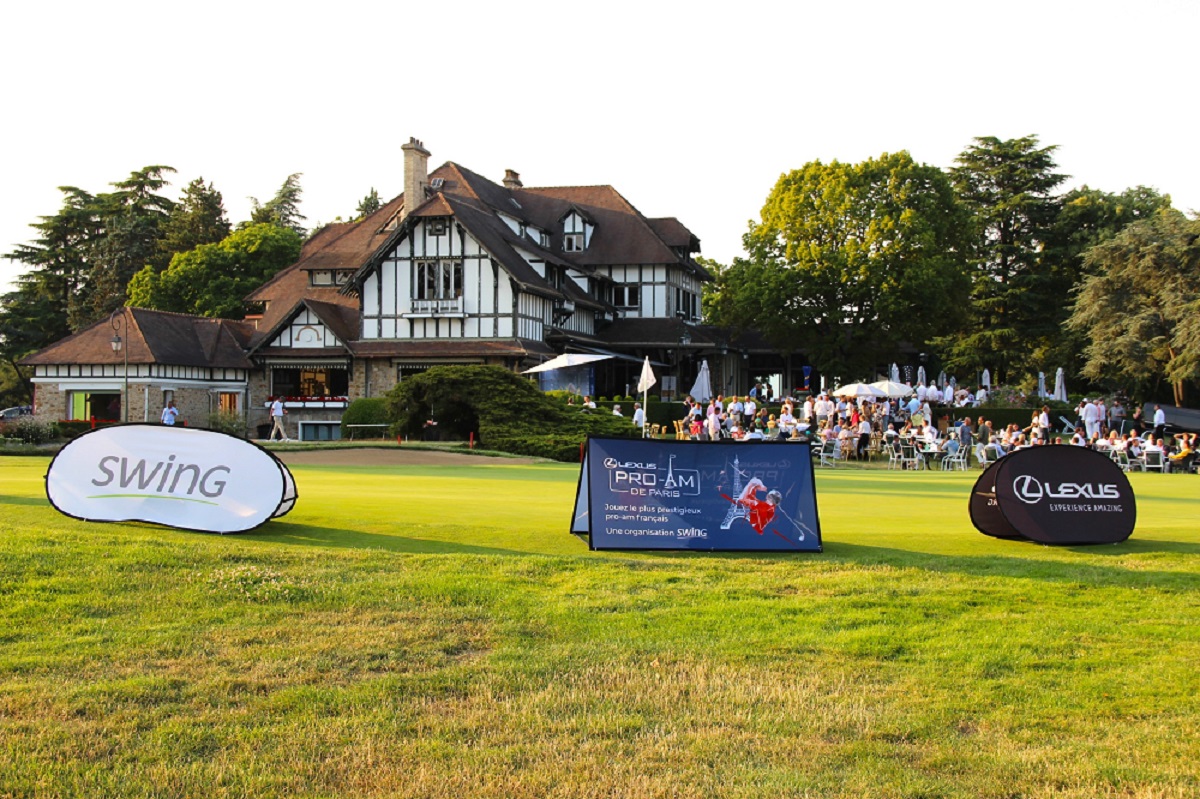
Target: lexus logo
{"x": 1028, "y": 489}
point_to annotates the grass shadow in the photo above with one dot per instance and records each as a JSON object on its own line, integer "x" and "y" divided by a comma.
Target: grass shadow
{"x": 339, "y": 538}
{"x": 993, "y": 565}
{"x": 8, "y": 500}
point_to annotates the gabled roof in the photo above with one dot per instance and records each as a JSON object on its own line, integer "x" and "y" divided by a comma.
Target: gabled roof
{"x": 154, "y": 337}
{"x": 622, "y": 236}
{"x": 341, "y": 319}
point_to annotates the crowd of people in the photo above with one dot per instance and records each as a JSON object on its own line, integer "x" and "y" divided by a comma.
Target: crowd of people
{"x": 859, "y": 424}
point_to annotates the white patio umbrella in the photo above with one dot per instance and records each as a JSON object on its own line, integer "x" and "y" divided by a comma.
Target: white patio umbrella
{"x": 1060, "y": 387}
{"x": 1041, "y": 390}
{"x": 895, "y": 374}
{"x": 646, "y": 380}
{"x": 892, "y": 388}
{"x": 859, "y": 391}
{"x": 942, "y": 379}
{"x": 921, "y": 375}
{"x": 702, "y": 388}
{"x": 565, "y": 360}
{"x": 986, "y": 380}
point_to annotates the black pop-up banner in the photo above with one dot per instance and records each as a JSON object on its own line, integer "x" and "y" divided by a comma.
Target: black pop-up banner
{"x": 1055, "y": 495}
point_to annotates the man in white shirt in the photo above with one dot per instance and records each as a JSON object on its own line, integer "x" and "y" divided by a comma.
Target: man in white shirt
{"x": 736, "y": 409}
{"x": 749, "y": 408}
{"x": 1160, "y": 422}
{"x": 639, "y": 416}
{"x": 981, "y": 396}
{"x": 277, "y": 412}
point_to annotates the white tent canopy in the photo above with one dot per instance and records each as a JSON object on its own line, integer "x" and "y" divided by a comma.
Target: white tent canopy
{"x": 892, "y": 389}
{"x": 859, "y": 390}
{"x": 565, "y": 360}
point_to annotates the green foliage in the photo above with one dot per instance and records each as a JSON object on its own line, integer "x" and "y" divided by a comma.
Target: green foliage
{"x": 1016, "y": 298}
{"x": 212, "y": 279}
{"x": 227, "y": 422}
{"x": 82, "y": 259}
{"x": 369, "y": 204}
{"x": 198, "y": 218}
{"x": 506, "y": 411}
{"x": 1086, "y": 218}
{"x": 282, "y": 210}
{"x": 842, "y": 256}
{"x": 133, "y": 217}
{"x": 365, "y": 410}
{"x": 14, "y": 388}
{"x": 1138, "y": 305}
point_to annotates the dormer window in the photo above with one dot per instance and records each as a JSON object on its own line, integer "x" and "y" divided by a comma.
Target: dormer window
{"x": 326, "y": 277}
{"x": 577, "y": 232}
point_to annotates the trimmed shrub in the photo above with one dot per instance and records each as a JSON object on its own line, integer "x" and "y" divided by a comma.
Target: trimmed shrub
{"x": 28, "y": 430}
{"x": 507, "y": 412}
{"x": 367, "y": 410}
{"x": 227, "y": 422}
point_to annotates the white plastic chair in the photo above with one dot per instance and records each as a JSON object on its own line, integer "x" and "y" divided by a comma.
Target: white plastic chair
{"x": 1154, "y": 459}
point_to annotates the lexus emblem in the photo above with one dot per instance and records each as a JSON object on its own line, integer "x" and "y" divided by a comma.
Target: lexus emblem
{"x": 1028, "y": 489}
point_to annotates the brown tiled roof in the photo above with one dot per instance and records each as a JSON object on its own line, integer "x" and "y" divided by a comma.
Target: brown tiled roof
{"x": 674, "y": 234}
{"x": 154, "y": 337}
{"x": 459, "y": 348}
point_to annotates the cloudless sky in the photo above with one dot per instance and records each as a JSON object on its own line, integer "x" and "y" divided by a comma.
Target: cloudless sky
{"x": 690, "y": 109}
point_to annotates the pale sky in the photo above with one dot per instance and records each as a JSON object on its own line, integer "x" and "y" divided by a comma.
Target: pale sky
{"x": 689, "y": 109}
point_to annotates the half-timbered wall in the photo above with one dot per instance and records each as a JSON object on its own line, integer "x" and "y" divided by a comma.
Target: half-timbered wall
{"x": 483, "y": 306}
{"x": 306, "y": 331}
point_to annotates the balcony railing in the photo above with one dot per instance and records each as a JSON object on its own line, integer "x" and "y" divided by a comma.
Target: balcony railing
{"x": 453, "y": 306}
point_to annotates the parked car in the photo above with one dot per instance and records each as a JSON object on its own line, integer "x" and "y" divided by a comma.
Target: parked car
{"x": 8, "y": 414}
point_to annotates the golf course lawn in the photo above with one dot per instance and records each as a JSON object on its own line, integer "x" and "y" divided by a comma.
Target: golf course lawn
{"x": 435, "y": 631}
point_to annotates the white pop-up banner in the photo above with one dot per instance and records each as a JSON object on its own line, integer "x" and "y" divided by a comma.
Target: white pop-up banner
{"x": 178, "y": 476}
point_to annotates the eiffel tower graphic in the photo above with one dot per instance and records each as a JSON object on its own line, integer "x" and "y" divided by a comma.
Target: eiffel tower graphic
{"x": 670, "y": 483}
{"x": 736, "y": 509}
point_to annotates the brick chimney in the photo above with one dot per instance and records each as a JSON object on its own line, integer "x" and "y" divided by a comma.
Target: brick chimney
{"x": 416, "y": 174}
{"x": 512, "y": 180}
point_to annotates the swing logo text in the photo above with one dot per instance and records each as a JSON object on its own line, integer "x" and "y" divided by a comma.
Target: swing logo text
{"x": 181, "y": 477}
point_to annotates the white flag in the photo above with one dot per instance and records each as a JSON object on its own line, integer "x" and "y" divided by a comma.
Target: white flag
{"x": 647, "y": 379}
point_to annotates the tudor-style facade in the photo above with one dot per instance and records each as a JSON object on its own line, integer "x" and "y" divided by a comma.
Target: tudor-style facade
{"x": 456, "y": 270}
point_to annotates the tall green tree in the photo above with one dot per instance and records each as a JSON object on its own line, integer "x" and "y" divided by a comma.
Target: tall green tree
{"x": 1009, "y": 188}
{"x": 1138, "y": 306}
{"x": 132, "y": 219}
{"x": 198, "y": 218}
{"x": 369, "y": 204}
{"x": 1086, "y": 218}
{"x": 31, "y": 317}
{"x": 283, "y": 209}
{"x": 849, "y": 261}
{"x": 60, "y": 261}
{"x": 213, "y": 279}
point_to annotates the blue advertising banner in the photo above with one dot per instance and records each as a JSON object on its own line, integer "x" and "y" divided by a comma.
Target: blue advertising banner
{"x": 729, "y": 496}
